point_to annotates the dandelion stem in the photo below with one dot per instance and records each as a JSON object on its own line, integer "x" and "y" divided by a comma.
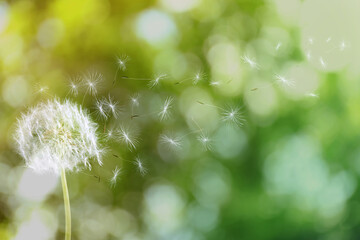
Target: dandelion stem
{"x": 66, "y": 205}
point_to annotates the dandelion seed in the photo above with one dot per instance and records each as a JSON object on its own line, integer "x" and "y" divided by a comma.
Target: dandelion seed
{"x": 171, "y": 142}
{"x": 250, "y": 62}
{"x": 112, "y": 106}
{"x": 127, "y": 137}
{"x": 284, "y": 81}
{"x": 91, "y": 81}
{"x": 109, "y": 135}
{"x": 205, "y": 141}
{"x": 214, "y": 83}
{"x": 278, "y": 45}
{"x": 122, "y": 61}
{"x": 342, "y": 46}
{"x": 234, "y": 116}
{"x": 198, "y": 77}
{"x": 154, "y": 82}
{"x": 55, "y": 136}
{"x": 116, "y": 173}
{"x": 322, "y": 62}
{"x": 140, "y": 166}
{"x": 310, "y": 40}
{"x": 328, "y": 39}
{"x": 165, "y": 112}
{"x": 308, "y": 55}
{"x": 314, "y": 95}
{"x": 41, "y": 89}
{"x": 101, "y": 110}
{"x": 134, "y": 100}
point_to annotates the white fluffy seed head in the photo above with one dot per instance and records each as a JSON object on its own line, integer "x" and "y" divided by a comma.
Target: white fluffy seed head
{"x": 57, "y": 135}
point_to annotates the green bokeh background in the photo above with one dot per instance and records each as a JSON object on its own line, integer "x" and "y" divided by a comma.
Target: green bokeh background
{"x": 290, "y": 172}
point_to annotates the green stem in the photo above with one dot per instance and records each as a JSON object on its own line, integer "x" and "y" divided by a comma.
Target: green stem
{"x": 66, "y": 205}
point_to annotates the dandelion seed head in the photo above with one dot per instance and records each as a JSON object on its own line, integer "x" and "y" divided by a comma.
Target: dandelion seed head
{"x": 165, "y": 111}
{"x": 57, "y": 135}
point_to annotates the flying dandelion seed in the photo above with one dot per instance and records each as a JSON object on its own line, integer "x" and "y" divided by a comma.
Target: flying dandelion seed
{"x": 214, "y": 83}
{"x": 205, "y": 141}
{"x": 154, "y": 82}
{"x": 342, "y": 45}
{"x": 134, "y": 99}
{"x": 127, "y": 137}
{"x": 174, "y": 143}
{"x": 109, "y": 135}
{"x": 91, "y": 81}
{"x": 281, "y": 80}
{"x": 140, "y": 166}
{"x": 54, "y": 136}
{"x": 165, "y": 111}
{"x": 308, "y": 55}
{"x": 322, "y": 62}
{"x": 74, "y": 88}
{"x": 311, "y": 40}
{"x": 115, "y": 176}
{"x": 198, "y": 77}
{"x": 122, "y": 61}
{"x": 233, "y": 116}
{"x": 328, "y": 39}
{"x": 314, "y": 95}
{"x": 278, "y": 45}
{"x": 250, "y": 62}
{"x": 101, "y": 110}
{"x": 112, "y": 106}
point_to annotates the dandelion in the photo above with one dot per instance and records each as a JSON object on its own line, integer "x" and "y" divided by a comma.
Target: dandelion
{"x": 154, "y": 82}
{"x": 55, "y": 137}
{"x": 115, "y": 175}
{"x": 165, "y": 111}
{"x": 172, "y": 142}
{"x": 125, "y": 136}
{"x": 140, "y": 166}
{"x": 233, "y": 115}
{"x": 283, "y": 81}
{"x": 250, "y": 62}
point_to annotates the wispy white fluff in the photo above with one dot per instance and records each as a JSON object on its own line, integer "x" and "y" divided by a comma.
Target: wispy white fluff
{"x": 57, "y": 135}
